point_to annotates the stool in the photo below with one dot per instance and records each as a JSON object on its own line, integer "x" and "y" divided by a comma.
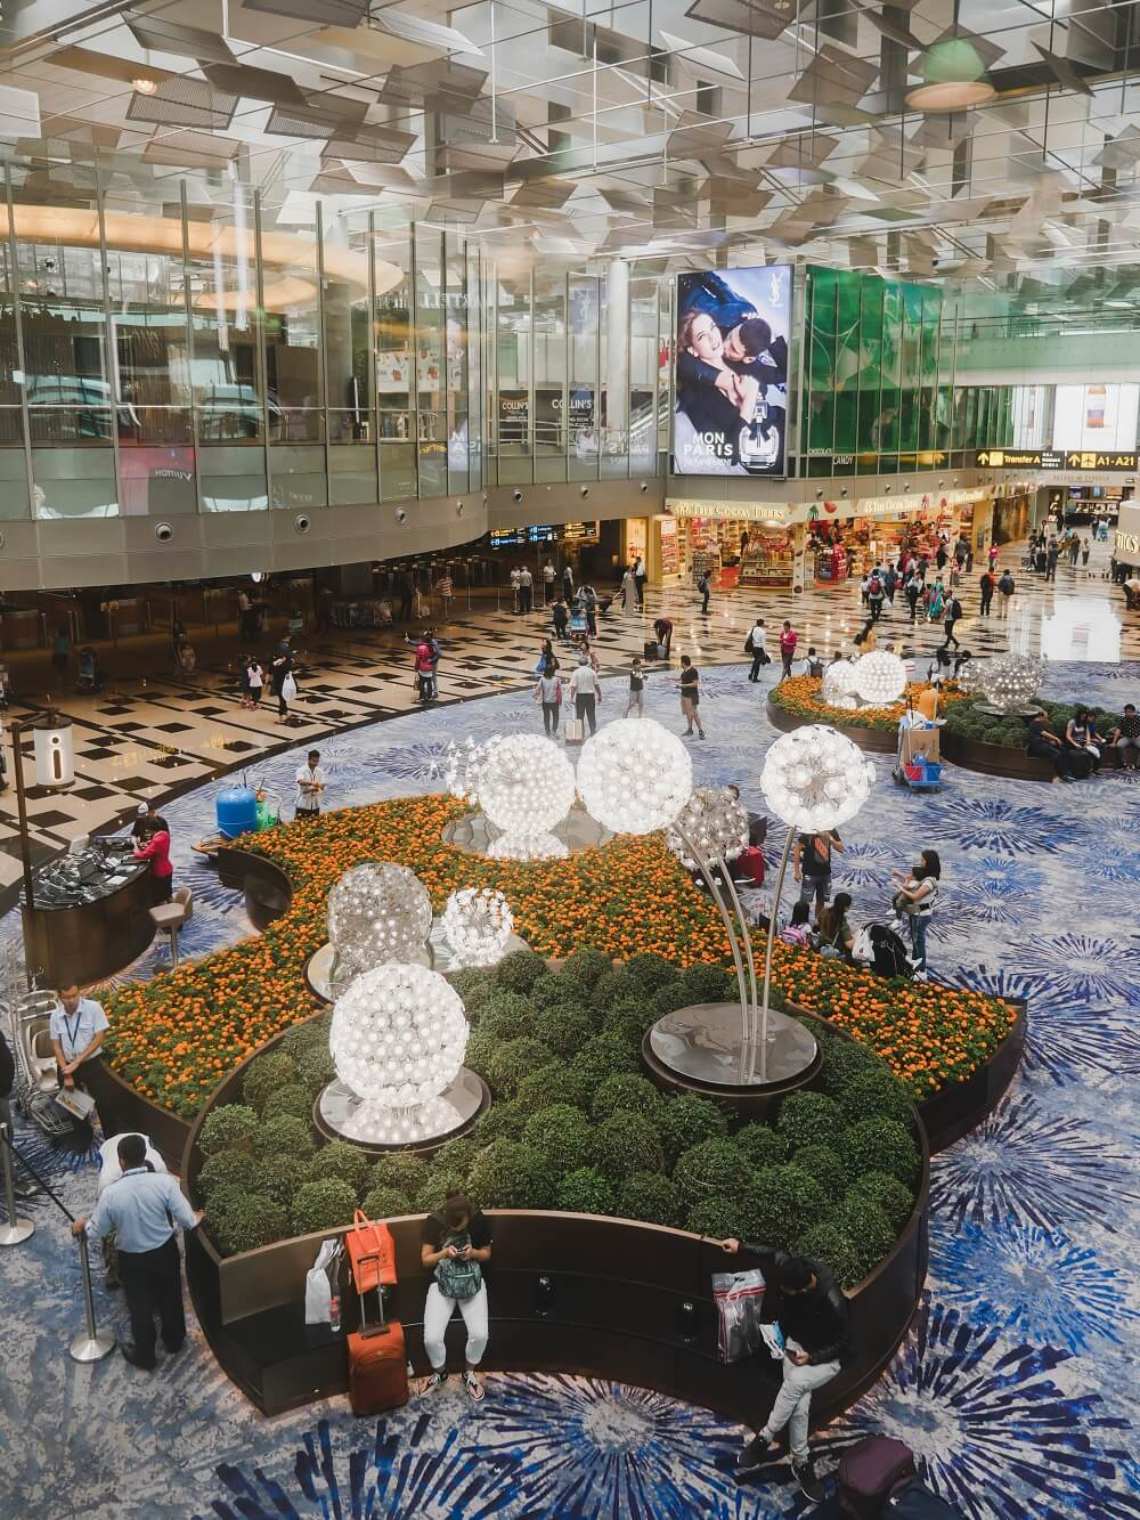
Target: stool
{"x": 169, "y": 918}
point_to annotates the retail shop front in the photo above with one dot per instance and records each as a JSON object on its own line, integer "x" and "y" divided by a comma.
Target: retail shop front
{"x": 797, "y": 544}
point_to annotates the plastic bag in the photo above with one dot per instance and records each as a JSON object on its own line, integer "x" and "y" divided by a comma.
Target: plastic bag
{"x": 739, "y": 1299}
{"x": 319, "y": 1283}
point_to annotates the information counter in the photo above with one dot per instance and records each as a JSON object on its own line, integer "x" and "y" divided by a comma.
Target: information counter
{"x": 91, "y": 914}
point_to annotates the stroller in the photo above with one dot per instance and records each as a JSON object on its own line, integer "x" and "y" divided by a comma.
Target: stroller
{"x": 880, "y": 948}
{"x": 89, "y": 677}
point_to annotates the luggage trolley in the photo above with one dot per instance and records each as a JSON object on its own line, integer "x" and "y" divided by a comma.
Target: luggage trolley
{"x": 918, "y": 761}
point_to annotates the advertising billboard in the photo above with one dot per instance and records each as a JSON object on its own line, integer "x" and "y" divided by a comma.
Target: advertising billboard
{"x": 731, "y": 371}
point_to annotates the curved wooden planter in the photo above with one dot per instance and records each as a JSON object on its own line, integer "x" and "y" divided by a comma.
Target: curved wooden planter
{"x": 876, "y": 741}
{"x": 618, "y": 1299}
{"x": 265, "y": 886}
{"x": 994, "y": 759}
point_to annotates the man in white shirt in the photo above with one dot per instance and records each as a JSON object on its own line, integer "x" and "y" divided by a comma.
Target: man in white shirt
{"x": 758, "y": 638}
{"x": 585, "y": 691}
{"x": 526, "y": 590}
{"x": 548, "y": 577}
{"x": 516, "y": 588}
{"x": 639, "y": 581}
{"x": 77, "y": 1028}
{"x": 310, "y": 784}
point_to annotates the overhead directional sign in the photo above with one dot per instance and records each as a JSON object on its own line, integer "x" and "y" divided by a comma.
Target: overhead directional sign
{"x": 1086, "y": 460}
{"x": 1055, "y": 459}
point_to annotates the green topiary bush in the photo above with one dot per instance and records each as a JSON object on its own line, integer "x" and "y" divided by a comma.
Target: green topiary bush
{"x": 286, "y": 1135}
{"x": 247, "y": 1222}
{"x": 585, "y": 1190}
{"x": 708, "y": 984}
{"x": 809, "y": 1118}
{"x": 610, "y": 986}
{"x": 564, "y": 1027}
{"x": 879, "y": 1145}
{"x": 313, "y": 1034}
{"x": 519, "y": 971}
{"x": 843, "y": 1061}
{"x": 828, "y": 1243}
{"x": 471, "y": 982}
{"x": 323, "y": 1205}
{"x": 293, "y": 1098}
{"x": 239, "y": 1169}
{"x": 631, "y": 1014}
{"x": 552, "y": 1083}
{"x": 715, "y": 1216}
{"x": 685, "y": 1121}
{"x": 265, "y": 1074}
{"x": 650, "y": 971}
{"x": 280, "y": 1176}
{"x": 315, "y": 1069}
{"x": 509, "y": 1175}
{"x": 559, "y": 991}
{"x": 481, "y": 1046}
{"x": 650, "y": 1196}
{"x": 875, "y": 1093}
{"x": 601, "y": 1057}
{"x": 779, "y": 1204}
{"x": 502, "y": 1121}
{"x": 400, "y": 1171}
{"x": 506, "y": 1015}
{"x": 869, "y": 1230}
{"x": 338, "y": 1159}
{"x": 624, "y": 1144}
{"x": 437, "y": 1183}
{"x": 713, "y": 1169}
{"x": 510, "y": 1063}
{"x": 882, "y": 1191}
{"x": 763, "y": 1145}
{"x": 226, "y": 1129}
{"x": 455, "y": 1153}
{"x": 673, "y": 995}
{"x": 626, "y": 1092}
{"x": 824, "y": 1164}
{"x": 561, "y": 1134}
{"x": 586, "y": 965}
{"x": 386, "y": 1203}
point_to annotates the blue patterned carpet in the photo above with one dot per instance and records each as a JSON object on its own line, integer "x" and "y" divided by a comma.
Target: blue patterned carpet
{"x": 1017, "y": 1384}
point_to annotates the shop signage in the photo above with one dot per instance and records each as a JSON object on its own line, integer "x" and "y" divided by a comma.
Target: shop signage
{"x": 778, "y": 512}
{"x": 1127, "y": 543}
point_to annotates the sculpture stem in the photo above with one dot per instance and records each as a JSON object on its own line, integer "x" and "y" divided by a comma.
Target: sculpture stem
{"x": 772, "y": 917}
{"x": 715, "y": 894}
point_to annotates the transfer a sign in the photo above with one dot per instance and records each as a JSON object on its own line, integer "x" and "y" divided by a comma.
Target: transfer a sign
{"x": 1019, "y": 459}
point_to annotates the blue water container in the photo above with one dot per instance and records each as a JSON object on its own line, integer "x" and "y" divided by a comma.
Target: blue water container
{"x": 236, "y": 811}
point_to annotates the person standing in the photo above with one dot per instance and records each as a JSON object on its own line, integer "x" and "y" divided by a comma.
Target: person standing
{"x": 891, "y": 583}
{"x": 811, "y": 866}
{"x": 456, "y": 1244}
{"x": 913, "y": 590}
{"x": 1005, "y": 588}
{"x": 548, "y": 691}
{"x": 526, "y": 589}
{"x": 636, "y": 690}
{"x": 1052, "y": 555}
{"x": 155, "y": 847}
{"x": 424, "y": 667}
{"x": 875, "y": 594}
{"x": 789, "y": 638}
{"x": 145, "y": 1209}
{"x": 311, "y": 783}
{"x": 61, "y": 651}
{"x": 567, "y": 583}
{"x": 703, "y": 589}
{"x": 916, "y": 897}
{"x": 559, "y": 618}
{"x": 814, "y": 1320}
{"x": 76, "y": 1030}
{"x": 256, "y": 679}
{"x": 516, "y": 589}
{"x": 691, "y": 696}
{"x": 548, "y": 579}
{"x": 986, "y": 586}
{"x": 639, "y": 580}
{"x": 247, "y": 621}
{"x": 992, "y": 557}
{"x": 446, "y": 588}
{"x": 953, "y": 615}
{"x": 589, "y": 598}
{"x": 586, "y": 692}
{"x": 629, "y": 597}
{"x": 756, "y": 645}
{"x": 1086, "y": 549}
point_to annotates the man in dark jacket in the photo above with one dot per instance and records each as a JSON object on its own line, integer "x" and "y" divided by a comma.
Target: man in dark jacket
{"x": 812, "y": 1314}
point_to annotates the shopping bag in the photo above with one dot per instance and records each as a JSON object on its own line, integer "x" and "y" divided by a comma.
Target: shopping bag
{"x": 371, "y": 1253}
{"x": 574, "y": 730}
{"x": 739, "y": 1299}
{"x": 319, "y": 1283}
{"x": 289, "y": 687}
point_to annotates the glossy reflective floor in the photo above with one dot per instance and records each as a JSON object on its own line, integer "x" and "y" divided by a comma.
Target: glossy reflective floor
{"x": 1016, "y": 1387}
{"x": 147, "y": 732}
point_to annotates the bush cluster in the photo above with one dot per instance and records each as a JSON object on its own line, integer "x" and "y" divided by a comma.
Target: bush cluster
{"x": 966, "y": 720}
{"x": 576, "y": 1125}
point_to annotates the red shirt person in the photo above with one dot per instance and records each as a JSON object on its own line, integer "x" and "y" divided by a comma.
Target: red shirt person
{"x": 155, "y": 847}
{"x": 789, "y": 638}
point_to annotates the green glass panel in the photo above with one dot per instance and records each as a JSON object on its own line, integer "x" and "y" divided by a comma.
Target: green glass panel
{"x": 870, "y": 363}
{"x": 887, "y": 427}
{"x": 928, "y": 369}
{"x": 909, "y": 379}
{"x": 820, "y": 398}
{"x": 847, "y": 359}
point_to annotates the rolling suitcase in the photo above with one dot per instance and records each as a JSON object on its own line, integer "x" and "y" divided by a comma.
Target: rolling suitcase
{"x": 377, "y": 1363}
{"x": 869, "y": 1473}
{"x": 649, "y": 649}
{"x": 914, "y": 1501}
{"x": 748, "y": 867}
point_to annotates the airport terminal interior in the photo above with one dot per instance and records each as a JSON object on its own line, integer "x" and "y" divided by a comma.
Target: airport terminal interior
{"x": 569, "y": 804}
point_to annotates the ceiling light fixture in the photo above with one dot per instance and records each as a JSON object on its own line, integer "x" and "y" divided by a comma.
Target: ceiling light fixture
{"x": 955, "y": 78}
{"x": 144, "y": 86}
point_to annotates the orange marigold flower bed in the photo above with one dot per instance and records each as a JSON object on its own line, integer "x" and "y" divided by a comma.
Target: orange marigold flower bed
{"x": 801, "y": 695}
{"x": 174, "y": 1038}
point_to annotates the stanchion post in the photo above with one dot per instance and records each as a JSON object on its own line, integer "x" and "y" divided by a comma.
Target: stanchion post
{"x": 90, "y": 1344}
{"x": 14, "y": 1231}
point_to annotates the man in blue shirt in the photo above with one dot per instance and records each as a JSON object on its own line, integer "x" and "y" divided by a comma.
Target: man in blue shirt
{"x": 144, "y": 1208}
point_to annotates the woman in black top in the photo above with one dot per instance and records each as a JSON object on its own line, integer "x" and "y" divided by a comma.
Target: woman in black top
{"x": 456, "y": 1244}
{"x": 691, "y": 695}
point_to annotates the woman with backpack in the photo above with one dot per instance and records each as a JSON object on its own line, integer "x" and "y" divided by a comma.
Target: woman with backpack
{"x": 915, "y": 898}
{"x": 456, "y": 1244}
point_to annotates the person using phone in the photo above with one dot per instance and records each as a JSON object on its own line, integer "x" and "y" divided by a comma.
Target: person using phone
{"x": 456, "y": 1245}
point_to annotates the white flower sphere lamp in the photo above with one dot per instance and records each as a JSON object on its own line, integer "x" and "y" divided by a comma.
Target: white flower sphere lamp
{"x": 880, "y": 678}
{"x": 838, "y": 687}
{"x": 397, "y": 1039}
{"x": 477, "y": 925}
{"x": 1009, "y": 683}
{"x": 525, "y": 788}
{"x": 634, "y": 776}
{"x": 814, "y": 779}
{"x": 377, "y": 912}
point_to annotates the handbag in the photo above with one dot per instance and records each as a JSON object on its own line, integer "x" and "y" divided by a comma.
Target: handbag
{"x": 371, "y": 1253}
{"x": 457, "y": 1278}
{"x": 289, "y": 687}
{"x": 739, "y": 1299}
